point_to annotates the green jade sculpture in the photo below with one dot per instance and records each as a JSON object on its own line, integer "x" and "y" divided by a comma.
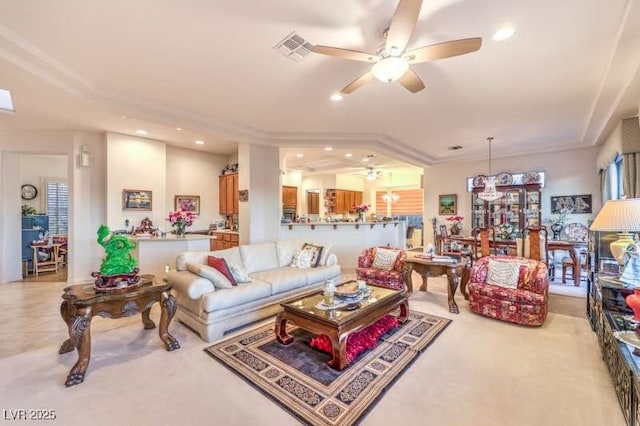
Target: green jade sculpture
{"x": 119, "y": 267}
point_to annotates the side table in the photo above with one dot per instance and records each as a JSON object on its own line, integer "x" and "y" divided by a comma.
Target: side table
{"x": 457, "y": 273}
{"x": 81, "y": 303}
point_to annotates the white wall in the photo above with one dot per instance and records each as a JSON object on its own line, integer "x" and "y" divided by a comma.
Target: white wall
{"x": 191, "y": 172}
{"x": 567, "y": 173}
{"x": 34, "y": 168}
{"x": 138, "y": 164}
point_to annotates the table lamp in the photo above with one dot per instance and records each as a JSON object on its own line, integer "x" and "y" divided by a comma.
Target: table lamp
{"x": 623, "y": 217}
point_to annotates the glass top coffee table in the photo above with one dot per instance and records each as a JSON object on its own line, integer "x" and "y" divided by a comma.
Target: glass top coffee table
{"x": 308, "y": 313}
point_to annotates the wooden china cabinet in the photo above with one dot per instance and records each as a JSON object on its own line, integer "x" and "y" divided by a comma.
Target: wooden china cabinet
{"x": 520, "y": 206}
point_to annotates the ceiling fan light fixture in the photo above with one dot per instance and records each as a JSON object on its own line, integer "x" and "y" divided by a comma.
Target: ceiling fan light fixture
{"x": 371, "y": 175}
{"x": 390, "y": 68}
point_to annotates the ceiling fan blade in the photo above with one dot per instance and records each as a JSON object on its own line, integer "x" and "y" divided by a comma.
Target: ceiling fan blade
{"x": 354, "y": 55}
{"x": 411, "y": 81}
{"x": 357, "y": 83}
{"x": 443, "y": 50}
{"x": 402, "y": 25}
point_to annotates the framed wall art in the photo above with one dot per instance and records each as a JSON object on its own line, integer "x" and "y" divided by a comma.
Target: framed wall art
{"x": 136, "y": 199}
{"x": 243, "y": 195}
{"x": 448, "y": 204}
{"x": 188, "y": 203}
{"x": 576, "y": 203}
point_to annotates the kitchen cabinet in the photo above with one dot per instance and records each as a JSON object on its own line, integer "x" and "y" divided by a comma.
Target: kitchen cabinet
{"x": 224, "y": 240}
{"x": 339, "y": 201}
{"x": 228, "y": 193}
{"x": 289, "y": 197}
{"x": 313, "y": 202}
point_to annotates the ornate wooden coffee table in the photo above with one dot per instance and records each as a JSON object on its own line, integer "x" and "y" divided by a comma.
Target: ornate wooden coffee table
{"x": 337, "y": 324}
{"x": 457, "y": 272}
{"x": 82, "y": 302}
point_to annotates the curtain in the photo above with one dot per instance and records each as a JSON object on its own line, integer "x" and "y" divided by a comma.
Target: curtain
{"x": 605, "y": 192}
{"x": 631, "y": 174}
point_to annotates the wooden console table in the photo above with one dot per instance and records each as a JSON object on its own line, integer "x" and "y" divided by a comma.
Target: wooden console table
{"x": 81, "y": 303}
{"x": 456, "y": 272}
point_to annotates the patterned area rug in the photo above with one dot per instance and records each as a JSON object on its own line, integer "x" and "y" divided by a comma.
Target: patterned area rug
{"x": 298, "y": 378}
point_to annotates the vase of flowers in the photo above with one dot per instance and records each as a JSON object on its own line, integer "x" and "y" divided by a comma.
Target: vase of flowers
{"x": 180, "y": 220}
{"x": 456, "y": 224}
{"x": 360, "y": 209}
{"x": 505, "y": 231}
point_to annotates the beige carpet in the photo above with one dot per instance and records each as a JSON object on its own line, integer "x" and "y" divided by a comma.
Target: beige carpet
{"x": 480, "y": 372}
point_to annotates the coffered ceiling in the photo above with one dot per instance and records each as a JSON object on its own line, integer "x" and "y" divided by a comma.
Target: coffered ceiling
{"x": 566, "y": 77}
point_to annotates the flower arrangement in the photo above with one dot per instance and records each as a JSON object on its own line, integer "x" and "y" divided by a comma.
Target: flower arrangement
{"x": 360, "y": 208}
{"x": 456, "y": 225}
{"x": 505, "y": 231}
{"x": 180, "y": 220}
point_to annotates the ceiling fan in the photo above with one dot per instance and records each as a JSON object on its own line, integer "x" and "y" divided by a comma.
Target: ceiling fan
{"x": 371, "y": 174}
{"x": 391, "y": 61}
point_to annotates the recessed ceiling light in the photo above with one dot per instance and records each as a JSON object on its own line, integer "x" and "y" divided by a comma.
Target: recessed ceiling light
{"x": 299, "y": 155}
{"x": 199, "y": 142}
{"x": 6, "y": 101}
{"x": 348, "y": 155}
{"x": 336, "y": 97}
{"x": 503, "y": 33}
{"x": 328, "y": 148}
{"x": 179, "y": 129}
{"x": 141, "y": 132}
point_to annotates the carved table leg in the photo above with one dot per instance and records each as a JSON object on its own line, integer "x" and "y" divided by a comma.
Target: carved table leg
{"x": 466, "y": 273}
{"x": 410, "y": 280}
{"x": 65, "y": 311}
{"x": 425, "y": 276}
{"x": 281, "y": 330}
{"x": 404, "y": 311}
{"x": 339, "y": 349}
{"x": 576, "y": 267}
{"x": 147, "y": 322}
{"x": 452, "y": 279}
{"x": 168, "y": 307}
{"x": 80, "y": 335}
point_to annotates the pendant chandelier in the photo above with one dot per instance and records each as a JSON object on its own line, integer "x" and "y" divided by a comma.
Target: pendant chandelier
{"x": 390, "y": 197}
{"x": 489, "y": 193}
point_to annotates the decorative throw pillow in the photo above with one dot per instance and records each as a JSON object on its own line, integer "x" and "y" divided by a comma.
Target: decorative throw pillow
{"x": 210, "y": 273}
{"x": 301, "y": 259}
{"x": 221, "y": 265}
{"x": 385, "y": 258}
{"x": 503, "y": 274}
{"x": 316, "y": 252}
{"x": 239, "y": 273}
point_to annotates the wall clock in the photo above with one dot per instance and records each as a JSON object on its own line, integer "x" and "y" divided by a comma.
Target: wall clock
{"x": 29, "y": 192}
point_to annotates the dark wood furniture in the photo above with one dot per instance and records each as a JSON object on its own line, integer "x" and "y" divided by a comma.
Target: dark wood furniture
{"x": 569, "y": 246}
{"x": 338, "y": 201}
{"x": 485, "y": 240}
{"x": 338, "y": 324}
{"x": 81, "y": 302}
{"x": 607, "y": 314}
{"x": 457, "y": 273}
{"x": 520, "y": 207}
{"x": 228, "y": 193}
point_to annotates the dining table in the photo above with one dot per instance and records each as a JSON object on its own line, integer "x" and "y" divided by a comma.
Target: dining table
{"x": 569, "y": 246}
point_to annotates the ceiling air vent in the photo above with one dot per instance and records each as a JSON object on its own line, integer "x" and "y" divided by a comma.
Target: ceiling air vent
{"x": 454, "y": 147}
{"x": 294, "y": 47}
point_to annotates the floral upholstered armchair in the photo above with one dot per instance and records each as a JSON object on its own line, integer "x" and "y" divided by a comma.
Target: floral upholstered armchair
{"x": 523, "y": 300}
{"x": 375, "y": 269}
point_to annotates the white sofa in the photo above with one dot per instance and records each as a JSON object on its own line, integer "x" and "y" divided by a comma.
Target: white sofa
{"x": 212, "y": 311}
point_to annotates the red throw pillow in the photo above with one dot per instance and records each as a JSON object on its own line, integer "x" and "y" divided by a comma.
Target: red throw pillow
{"x": 221, "y": 265}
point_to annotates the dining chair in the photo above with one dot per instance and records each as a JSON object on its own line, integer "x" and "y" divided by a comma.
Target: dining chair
{"x": 534, "y": 244}
{"x": 485, "y": 239}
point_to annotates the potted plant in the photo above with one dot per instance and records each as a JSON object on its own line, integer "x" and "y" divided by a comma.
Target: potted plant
{"x": 456, "y": 225}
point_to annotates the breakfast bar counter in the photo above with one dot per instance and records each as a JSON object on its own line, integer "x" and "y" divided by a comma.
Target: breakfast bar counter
{"x": 154, "y": 254}
{"x": 348, "y": 239}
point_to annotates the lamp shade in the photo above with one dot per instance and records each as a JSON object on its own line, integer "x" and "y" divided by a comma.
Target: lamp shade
{"x": 618, "y": 216}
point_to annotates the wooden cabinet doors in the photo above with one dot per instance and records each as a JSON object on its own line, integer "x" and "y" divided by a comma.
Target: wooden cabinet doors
{"x": 222, "y": 191}
{"x": 228, "y": 191}
{"x": 313, "y": 202}
{"x": 289, "y": 197}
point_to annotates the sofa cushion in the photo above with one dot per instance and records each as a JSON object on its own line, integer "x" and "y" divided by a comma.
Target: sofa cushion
{"x": 285, "y": 250}
{"x": 301, "y": 259}
{"x": 316, "y": 252}
{"x": 239, "y": 273}
{"x": 222, "y": 299}
{"x": 212, "y": 274}
{"x": 221, "y": 265}
{"x": 503, "y": 274}
{"x": 230, "y": 255}
{"x": 259, "y": 257}
{"x": 512, "y": 295}
{"x": 283, "y": 279}
{"x": 385, "y": 258}
{"x": 194, "y": 286}
{"x": 326, "y": 249}
{"x": 321, "y": 273}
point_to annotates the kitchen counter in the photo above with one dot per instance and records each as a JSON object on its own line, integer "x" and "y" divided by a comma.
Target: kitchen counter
{"x": 348, "y": 239}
